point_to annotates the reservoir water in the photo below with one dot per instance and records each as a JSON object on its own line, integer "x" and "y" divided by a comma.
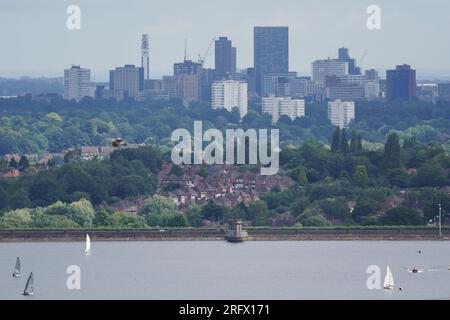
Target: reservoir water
{"x": 221, "y": 270}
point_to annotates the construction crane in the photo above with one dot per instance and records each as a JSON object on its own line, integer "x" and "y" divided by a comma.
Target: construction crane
{"x": 362, "y": 58}
{"x": 202, "y": 59}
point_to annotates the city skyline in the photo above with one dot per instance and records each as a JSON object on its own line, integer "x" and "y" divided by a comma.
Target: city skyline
{"x": 113, "y": 43}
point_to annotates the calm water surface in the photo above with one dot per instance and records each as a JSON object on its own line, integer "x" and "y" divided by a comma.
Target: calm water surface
{"x": 220, "y": 270}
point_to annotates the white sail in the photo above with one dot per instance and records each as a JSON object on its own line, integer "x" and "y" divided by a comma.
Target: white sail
{"x": 389, "y": 279}
{"x": 16, "y": 272}
{"x": 88, "y": 244}
{"x": 29, "y": 287}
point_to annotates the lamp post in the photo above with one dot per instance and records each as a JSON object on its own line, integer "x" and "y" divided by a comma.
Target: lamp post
{"x": 440, "y": 220}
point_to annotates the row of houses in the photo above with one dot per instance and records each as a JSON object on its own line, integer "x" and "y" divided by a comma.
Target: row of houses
{"x": 225, "y": 184}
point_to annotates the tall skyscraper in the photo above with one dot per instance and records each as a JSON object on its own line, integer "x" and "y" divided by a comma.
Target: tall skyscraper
{"x": 128, "y": 79}
{"x": 401, "y": 83}
{"x": 341, "y": 113}
{"x": 145, "y": 56}
{"x": 271, "y": 52}
{"x": 77, "y": 83}
{"x": 225, "y": 58}
{"x": 230, "y": 94}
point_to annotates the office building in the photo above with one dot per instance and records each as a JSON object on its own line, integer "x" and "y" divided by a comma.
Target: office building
{"x": 341, "y": 113}
{"x": 270, "y": 82}
{"x": 271, "y": 52}
{"x": 401, "y": 83}
{"x": 77, "y": 83}
{"x": 444, "y": 91}
{"x": 279, "y": 106}
{"x": 352, "y": 87}
{"x": 225, "y": 58}
{"x": 345, "y": 57}
{"x": 129, "y": 79}
{"x": 188, "y": 77}
{"x": 372, "y": 74}
{"x": 321, "y": 69}
{"x": 230, "y": 94}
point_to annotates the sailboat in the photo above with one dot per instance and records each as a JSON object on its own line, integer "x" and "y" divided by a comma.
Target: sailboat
{"x": 29, "y": 287}
{"x": 88, "y": 245}
{"x": 388, "y": 280}
{"x": 16, "y": 273}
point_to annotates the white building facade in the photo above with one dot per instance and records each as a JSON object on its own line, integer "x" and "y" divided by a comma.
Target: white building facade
{"x": 279, "y": 106}
{"x": 77, "y": 83}
{"x": 230, "y": 94}
{"x": 341, "y": 113}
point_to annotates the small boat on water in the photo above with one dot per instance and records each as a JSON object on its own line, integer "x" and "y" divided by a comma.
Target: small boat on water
{"x": 16, "y": 273}
{"x": 29, "y": 287}
{"x": 87, "y": 251}
{"x": 388, "y": 279}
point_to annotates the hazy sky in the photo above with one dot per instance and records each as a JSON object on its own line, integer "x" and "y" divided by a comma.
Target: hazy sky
{"x": 35, "y": 40}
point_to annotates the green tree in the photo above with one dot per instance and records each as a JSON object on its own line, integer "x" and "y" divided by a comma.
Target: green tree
{"x": 213, "y": 211}
{"x": 335, "y": 208}
{"x": 398, "y": 177}
{"x": 13, "y": 164}
{"x": 336, "y": 141}
{"x": 299, "y": 205}
{"x": 403, "y": 216}
{"x": 430, "y": 175}
{"x": 176, "y": 170}
{"x": 82, "y": 212}
{"x": 359, "y": 142}
{"x": 299, "y": 175}
{"x": 194, "y": 215}
{"x": 392, "y": 148}
{"x": 410, "y": 142}
{"x": 364, "y": 209}
{"x": 344, "y": 141}
{"x": 46, "y": 221}
{"x": 316, "y": 221}
{"x": 17, "y": 219}
{"x": 354, "y": 142}
{"x": 156, "y": 206}
{"x": 23, "y": 163}
{"x": 360, "y": 176}
{"x": 258, "y": 213}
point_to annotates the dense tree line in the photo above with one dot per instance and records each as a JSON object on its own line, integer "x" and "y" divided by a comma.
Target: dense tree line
{"x": 29, "y": 126}
{"x": 346, "y": 184}
{"x": 127, "y": 173}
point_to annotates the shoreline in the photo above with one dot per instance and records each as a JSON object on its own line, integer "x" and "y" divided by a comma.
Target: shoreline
{"x": 392, "y": 234}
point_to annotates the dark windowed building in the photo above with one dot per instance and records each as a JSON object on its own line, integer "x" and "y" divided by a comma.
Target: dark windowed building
{"x": 345, "y": 56}
{"x": 271, "y": 52}
{"x": 188, "y": 76}
{"x": 401, "y": 83}
{"x": 225, "y": 58}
